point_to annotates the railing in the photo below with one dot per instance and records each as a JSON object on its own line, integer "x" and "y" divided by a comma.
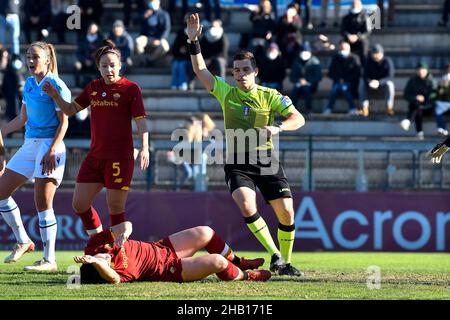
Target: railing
{"x": 310, "y": 164}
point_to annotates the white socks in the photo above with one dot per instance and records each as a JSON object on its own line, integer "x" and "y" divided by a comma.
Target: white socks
{"x": 49, "y": 228}
{"x": 11, "y": 213}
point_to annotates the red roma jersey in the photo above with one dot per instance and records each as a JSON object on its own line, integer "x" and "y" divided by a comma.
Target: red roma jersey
{"x": 112, "y": 109}
{"x": 135, "y": 261}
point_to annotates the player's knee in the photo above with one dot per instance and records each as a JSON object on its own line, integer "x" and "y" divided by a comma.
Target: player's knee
{"x": 219, "y": 262}
{"x": 248, "y": 208}
{"x": 116, "y": 207}
{"x": 205, "y": 232}
{"x": 79, "y": 207}
{"x": 286, "y": 216}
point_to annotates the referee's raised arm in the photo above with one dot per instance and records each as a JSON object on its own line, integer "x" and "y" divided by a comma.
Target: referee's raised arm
{"x": 194, "y": 29}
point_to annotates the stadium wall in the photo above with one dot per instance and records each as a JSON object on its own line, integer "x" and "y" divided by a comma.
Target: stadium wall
{"x": 325, "y": 221}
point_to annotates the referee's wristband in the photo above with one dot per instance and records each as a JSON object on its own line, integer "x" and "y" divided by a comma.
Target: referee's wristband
{"x": 194, "y": 47}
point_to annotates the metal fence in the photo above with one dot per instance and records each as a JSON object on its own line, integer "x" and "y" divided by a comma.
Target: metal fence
{"x": 310, "y": 164}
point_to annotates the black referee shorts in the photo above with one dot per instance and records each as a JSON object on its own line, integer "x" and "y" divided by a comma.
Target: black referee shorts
{"x": 272, "y": 186}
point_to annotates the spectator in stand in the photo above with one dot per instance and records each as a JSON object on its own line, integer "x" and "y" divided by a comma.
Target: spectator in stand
{"x": 10, "y": 25}
{"x": 37, "y": 18}
{"x": 153, "y": 42}
{"x": 85, "y": 64}
{"x": 264, "y": 27}
{"x": 345, "y": 70}
{"x": 274, "y": 71}
{"x": 378, "y": 75}
{"x": 12, "y": 84}
{"x": 124, "y": 43}
{"x": 127, "y": 9}
{"x": 306, "y": 74}
{"x": 420, "y": 92}
{"x": 172, "y": 10}
{"x": 207, "y": 10}
{"x": 307, "y": 18}
{"x": 215, "y": 47}
{"x": 289, "y": 33}
{"x": 91, "y": 11}
{"x": 445, "y": 12}
{"x": 181, "y": 61}
{"x": 356, "y": 30}
{"x": 59, "y": 17}
{"x": 443, "y": 101}
{"x": 324, "y": 13}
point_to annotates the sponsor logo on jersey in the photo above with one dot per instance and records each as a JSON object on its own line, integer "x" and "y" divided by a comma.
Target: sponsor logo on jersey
{"x": 104, "y": 103}
{"x": 103, "y": 94}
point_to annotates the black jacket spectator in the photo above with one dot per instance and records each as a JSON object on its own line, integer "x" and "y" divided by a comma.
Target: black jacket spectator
{"x": 273, "y": 70}
{"x": 179, "y": 48}
{"x": 37, "y": 17}
{"x": 310, "y": 70}
{"x": 157, "y": 25}
{"x": 123, "y": 41}
{"x": 91, "y": 11}
{"x": 346, "y": 69}
{"x": 417, "y": 86}
{"x": 289, "y": 33}
{"x": 382, "y": 71}
{"x": 356, "y": 22}
{"x": 215, "y": 45}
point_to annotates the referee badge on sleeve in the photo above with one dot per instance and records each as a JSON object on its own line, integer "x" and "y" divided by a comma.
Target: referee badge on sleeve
{"x": 285, "y": 101}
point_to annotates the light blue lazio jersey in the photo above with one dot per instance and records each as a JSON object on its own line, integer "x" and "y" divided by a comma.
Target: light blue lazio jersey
{"x": 41, "y": 109}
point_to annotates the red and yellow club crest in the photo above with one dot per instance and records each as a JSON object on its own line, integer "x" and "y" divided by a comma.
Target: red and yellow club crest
{"x": 116, "y": 96}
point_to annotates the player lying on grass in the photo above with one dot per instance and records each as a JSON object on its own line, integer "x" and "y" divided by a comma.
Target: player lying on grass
{"x": 438, "y": 151}
{"x": 111, "y": 258}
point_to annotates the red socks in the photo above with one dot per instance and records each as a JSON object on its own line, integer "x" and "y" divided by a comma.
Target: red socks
{"x": 230, "y": 273}
{"x": 90, "y": 219}
{"x": 117, "y": 218}
{"x": 217, "y": 245}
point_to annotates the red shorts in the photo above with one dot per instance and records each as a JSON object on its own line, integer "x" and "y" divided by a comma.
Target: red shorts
{"x": 114, "y": 174}
{"x": 172, "y": 264}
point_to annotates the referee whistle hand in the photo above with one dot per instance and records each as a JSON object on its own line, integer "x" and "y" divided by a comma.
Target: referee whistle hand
{"x": 272, "y": 131}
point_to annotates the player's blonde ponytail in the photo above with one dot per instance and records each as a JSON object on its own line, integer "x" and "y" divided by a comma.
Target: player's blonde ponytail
{"x": 53, "y": 62}
{"x": 50, "y": 51}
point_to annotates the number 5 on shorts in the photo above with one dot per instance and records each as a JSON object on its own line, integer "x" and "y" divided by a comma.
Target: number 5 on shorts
{"x": 115, "y": 166}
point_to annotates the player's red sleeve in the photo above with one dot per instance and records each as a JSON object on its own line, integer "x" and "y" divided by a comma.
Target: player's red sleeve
{"x": 84, "y": 100}
{"x": 137, "y": 103}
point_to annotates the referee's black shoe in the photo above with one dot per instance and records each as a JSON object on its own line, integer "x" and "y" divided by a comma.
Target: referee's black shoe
{"x": 276, "y": 262}
{"x": 290, "y": 270}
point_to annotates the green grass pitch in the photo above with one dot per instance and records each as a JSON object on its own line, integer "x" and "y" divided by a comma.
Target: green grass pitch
{"x": 328, "y": 276}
